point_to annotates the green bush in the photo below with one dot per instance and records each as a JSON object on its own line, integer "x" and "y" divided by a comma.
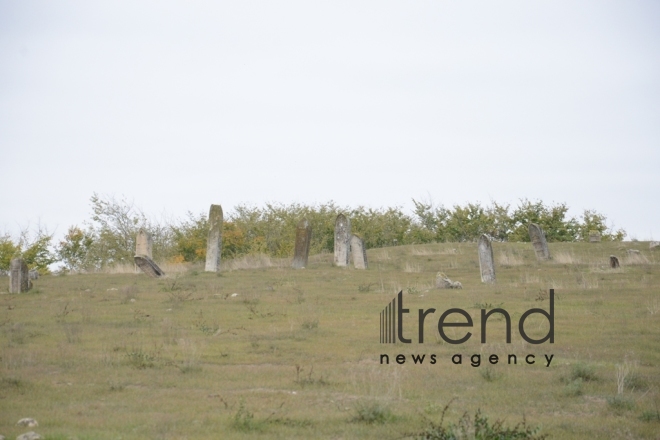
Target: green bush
{"x": 620, "y": 403}
{"x": 478, "y": 427}
{"x": 32, "y": 248}
{"x": 584, "y": 372}
{"x": 370, "y": 413}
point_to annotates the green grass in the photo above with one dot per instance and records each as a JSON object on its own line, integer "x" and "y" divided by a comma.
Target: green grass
{"x": 295, "y": 354}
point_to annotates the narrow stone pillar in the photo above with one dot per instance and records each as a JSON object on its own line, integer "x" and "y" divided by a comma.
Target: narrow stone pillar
{"x": 538, "y": 241}
{"x": 358, "y": 253}
{"x": 144, "y": 244}
{"x": 214, "y": 243}
{"x": 486, "y": 261}
{"x": 303, "y": 240}
{"x": 19, "y": 280}
{"x": 342, "y": 240}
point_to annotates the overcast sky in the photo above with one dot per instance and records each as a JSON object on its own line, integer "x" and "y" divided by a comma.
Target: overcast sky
{"x": 177, "y": 105}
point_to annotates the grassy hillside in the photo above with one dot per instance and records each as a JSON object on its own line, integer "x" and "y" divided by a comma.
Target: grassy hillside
{"x": 270, "y": 352}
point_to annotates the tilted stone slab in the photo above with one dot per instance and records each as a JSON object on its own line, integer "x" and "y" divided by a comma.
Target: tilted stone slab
{"x": 214, "y": 242}
{"x": 19, "y": 278}
{"x": 486, "y": 260}
{"x": 537, "y": 237}
{"x": 144, "y": 244}
{"x": 301, "y": 249}
{"x": 358, "y": 253}
{"x": 342, "y": 240}
{"x": 148, "y": 266}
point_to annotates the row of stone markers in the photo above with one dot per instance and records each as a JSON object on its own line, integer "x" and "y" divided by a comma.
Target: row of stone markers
{"x": 347, "y": 245}
{"x": 144, "y": 246}
{"x": 20, "y": 278}
{"x": 485, "y": 250}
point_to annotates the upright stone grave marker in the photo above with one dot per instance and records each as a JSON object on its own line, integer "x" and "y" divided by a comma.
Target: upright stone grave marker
{"x": 486, "y": 261}
{"x": 358, "y": 252}
{"x": 144, "y": 244}
{"x": 614, "y": 262}
{"x": 342, "y": 240}
{"x": 214, "y": 243}
{"x": 19, "y": 280}
{"x": 538, "y": 241}
{"x": 301, "y": 250}
{"x": 594, "y": 237}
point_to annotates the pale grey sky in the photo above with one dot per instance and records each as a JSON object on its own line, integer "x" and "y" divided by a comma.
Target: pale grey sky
{"x": 177, "y": 105}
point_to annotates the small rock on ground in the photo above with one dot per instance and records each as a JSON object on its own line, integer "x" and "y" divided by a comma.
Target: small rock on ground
{"x": 29, "y": 436}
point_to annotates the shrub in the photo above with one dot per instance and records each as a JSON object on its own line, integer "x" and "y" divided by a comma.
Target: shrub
{"x": 574, "y": 388}
{"x": 477, "y": 427}
{"x": 584, "y": 372}
{"x": 371, "y": 413}
{"x": 244, "y": 420}
{"x": 620, "y": 403}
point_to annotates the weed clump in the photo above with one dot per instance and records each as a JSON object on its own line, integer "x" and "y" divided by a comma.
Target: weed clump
{"x": 372, "y": 413}
{"x": 574, "y": 388}
{"x": 584, "y": 372}
{"x": 650, "y": 415}
{"x": 620, "y": 403}
{"x": 477, "y": 427}
{"x": 244, "y": 420}
{"x": 489, "y": 374}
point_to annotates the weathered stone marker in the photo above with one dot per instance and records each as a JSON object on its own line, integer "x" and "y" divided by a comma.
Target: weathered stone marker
{"x": 214, "y": 243}
{"x": 33, "y": 274}
{"x": 19, "y": 280}
{"x": 301, "y": 250}
{"x": 148, "y": 266}
{"x": 342, "y": 240}
{"x": 358, "y": 252}
{"x": 538, "y": 241}
{"x": 486, "y": 261}
{"x": 594, "y": 237}
{"x": 443, "y": 282}
{"x": 144, "y": 244}
{"x": 654, "y": 245}
{"x": 614, "y": 262}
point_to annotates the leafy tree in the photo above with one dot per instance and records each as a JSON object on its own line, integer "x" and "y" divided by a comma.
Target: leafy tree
{"x": 32, "y": 248}
{"x": 75, "y": 250}
{"x": 593, "y": 221}
{"x": 114, "y": 227}
{"x": 8, "y": 251}
{"x": 552, "y": 219}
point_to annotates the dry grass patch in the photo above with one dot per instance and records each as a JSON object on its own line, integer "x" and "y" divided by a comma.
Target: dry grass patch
{"x": 632, "y": 259}
{"x": 412, "y": 267}
{"x": 258, "y": 261}
{"x": 564, "y": 257}
{"x": 509, "y": 259}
